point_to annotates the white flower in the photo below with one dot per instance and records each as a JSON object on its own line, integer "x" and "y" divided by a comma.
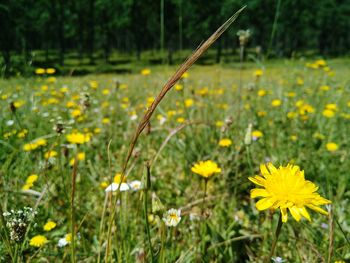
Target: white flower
{"x": 278, "y": 260}
{"x": 114, "y": 187}
{"x": 133, "y": 117}
{"x": 62, "y": 242}
{"x": 172, "y": 217}
{"x": 135, "y": 185}
{"x": 10, "y": 122}
{"x": 162, "y": 120}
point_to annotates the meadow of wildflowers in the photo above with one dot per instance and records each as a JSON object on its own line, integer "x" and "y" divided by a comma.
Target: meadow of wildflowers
{"x": 188, "y": 192}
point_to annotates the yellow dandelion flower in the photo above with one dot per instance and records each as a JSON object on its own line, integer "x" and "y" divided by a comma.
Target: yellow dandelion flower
{"x": 40, "y": 71}
{"x": 332, "y": 147}
{"x": 49, "y": 226}
{"x": 219, "y": 124}
{"x": 32, "y": 178}
{"x": 19, "y": 103}
{"x": 97, "y": 130}
{"x": 180, "y": 120}
{"x": 68, "y": 237}
{"x": 76, "y": 113}
{"x": 118, "y": 178}
{"x": 50, "y": 71}
{"x": 325, "y": 87}
{"x": 225, "y": 142}
{"x": 286, "y": 188}
{"x": 93, "y": 84}
{"x": 328, "y": 113}
{"x": 188, "y": 103}
{"x": 106, "y": 121}
{"x": 51, "y": 80}
{"x": 262, "y": 92}
{"x": 78, "y": 138}
{"x": 206, "y": 168}
{"x": 258, "y": 73}
{"x": 38, "y": 241}
{"x": 104, "y": 184}
{"x": 332, "y": 106}
{"x": 41, "y": 142}
{"x": 261, "y": 113}
{"x": 185, "y": 75}
{"x": 276, "y": 103}
{"x": 146, "y": 72}
{"x": 27, "y": 186}
{"x": 179, "y": 87}
{"x": 50, "y": 154}
{"x": 257, "y": 134}
{"x": 291, "y": 94}
{"x": 81, "y": 157}
{"x": 321, "y": 62}
{"x": 300, "y": 81}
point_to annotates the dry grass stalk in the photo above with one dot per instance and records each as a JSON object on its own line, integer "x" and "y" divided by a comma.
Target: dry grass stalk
{"x": 172, "y": 81}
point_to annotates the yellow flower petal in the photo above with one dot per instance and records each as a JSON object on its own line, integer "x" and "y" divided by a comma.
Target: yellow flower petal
{"x": 295, "y": 213}
{"x": 257, "y": 180}
{"x": 304, "y": 213}
{"x": 317, "y": 209}
{"x": 264, "y": 203}
{"x": 256, "y": 192}
{"x": 284, "y": 215}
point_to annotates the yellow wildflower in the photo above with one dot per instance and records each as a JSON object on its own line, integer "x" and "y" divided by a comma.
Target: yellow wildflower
{"x": 276, "y": 103}
{"x": 50, "y": 154}
{"x": 179, "y": 87}
{"x": 258, "y": 73}
{"x": 145, "y": 72}
{"x": 49, "y": 226}
{"x": 38, "y": 241}
{"x": 40, "y": 71}
{"x": 332, "y": 147}
{"x": 257, "y": 134}
{"x": 188, "y": 103}
{"x": 50, "y": 71}
{"x": 225, "y": 142}
{"x": 205, "y": 168}
{"x": 286, "y": 188}
{"x": 262, "y": 92}
{"x": 328, "y": 113}
{"x": 80, "y": 157}
{"x": 78, "y": 138}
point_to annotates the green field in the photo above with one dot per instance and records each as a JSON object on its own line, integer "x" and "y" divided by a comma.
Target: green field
{"x": 283, "y": 111}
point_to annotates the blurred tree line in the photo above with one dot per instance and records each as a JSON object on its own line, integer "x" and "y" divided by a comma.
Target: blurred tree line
{"x": 132, "y": 26}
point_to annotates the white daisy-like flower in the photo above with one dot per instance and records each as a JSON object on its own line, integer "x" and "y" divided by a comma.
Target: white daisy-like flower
{"x": 114, "y": 187}
{"x": 62, "y": 242}
{"x": 278, "y": 260}
{"x": 172, "y": 217}
{"x": 10, "y": 122}
{"x": 133, "y": 117}
{"x": 135, "y": 185}
{"x": 162, "y": 120}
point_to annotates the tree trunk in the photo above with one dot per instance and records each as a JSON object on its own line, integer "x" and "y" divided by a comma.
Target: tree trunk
{"x": 91, "y": 34}
{"x": 61, "y": 31}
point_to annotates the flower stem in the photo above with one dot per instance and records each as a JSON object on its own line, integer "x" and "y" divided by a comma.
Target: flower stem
{"x": 205, "y": 193}
{"x": 277, "y": 233}
{"x": 145, "y": 209}
{"x": 74, "y": 176}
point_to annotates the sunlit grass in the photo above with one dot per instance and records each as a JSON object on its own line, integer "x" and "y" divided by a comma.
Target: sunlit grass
{"x": 60, "y": 127}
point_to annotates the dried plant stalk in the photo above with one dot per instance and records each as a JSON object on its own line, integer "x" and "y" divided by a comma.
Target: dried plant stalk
{"x": 172, "y": 81}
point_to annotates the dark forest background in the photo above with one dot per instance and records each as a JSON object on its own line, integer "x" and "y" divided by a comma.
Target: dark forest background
{"x": 42, "y": 32}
